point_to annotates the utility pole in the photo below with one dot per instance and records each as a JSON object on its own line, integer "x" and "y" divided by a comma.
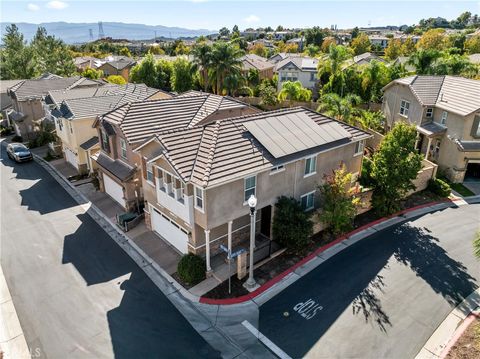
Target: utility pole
{"x": 91, "y": 34}
{"x": 101, "y": 34}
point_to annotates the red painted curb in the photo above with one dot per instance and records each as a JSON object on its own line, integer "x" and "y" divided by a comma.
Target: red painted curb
{"x": 282, "y": 275}
{"x": 458, "y": 333}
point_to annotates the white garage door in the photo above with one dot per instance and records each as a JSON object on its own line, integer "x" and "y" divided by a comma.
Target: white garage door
{"x": 71, "y": 158}
{"x": 113, "y": 189}
{"x": 169, "y": 231}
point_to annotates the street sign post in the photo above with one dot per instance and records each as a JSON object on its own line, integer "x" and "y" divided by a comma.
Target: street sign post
{"x": 231, "y": 256}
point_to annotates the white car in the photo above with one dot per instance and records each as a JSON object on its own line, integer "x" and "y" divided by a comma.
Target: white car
{"x": 19, "y": 152}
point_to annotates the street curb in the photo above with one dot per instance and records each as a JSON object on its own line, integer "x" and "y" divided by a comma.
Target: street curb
{"x": 450, "y": 330}
{"x": 313, "y": 260}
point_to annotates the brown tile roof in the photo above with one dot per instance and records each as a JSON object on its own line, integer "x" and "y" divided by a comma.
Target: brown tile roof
{"x": 140, "y": 120}
{"x": 252, "y": 61}
{"x": 225, "y": 150}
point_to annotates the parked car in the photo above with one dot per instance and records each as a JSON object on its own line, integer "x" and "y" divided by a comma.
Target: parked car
{"x": 19, "y": 152}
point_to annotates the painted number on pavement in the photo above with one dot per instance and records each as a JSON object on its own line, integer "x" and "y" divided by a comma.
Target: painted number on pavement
{"x": 308, "y": 309}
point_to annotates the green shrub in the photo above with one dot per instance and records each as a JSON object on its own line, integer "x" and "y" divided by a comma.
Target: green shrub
{"x": 292, "y": 227}
{"x": 366, "y": 179}
{"x": 439, "y": 187}
{"x": 5, "y": 131}
{"x": 17, "y": 138}
{"x": 191, "y": 269}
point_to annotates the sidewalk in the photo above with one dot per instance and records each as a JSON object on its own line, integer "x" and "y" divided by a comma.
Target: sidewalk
{"x": 446, "y": 334}
{"x": 12, "y": 340}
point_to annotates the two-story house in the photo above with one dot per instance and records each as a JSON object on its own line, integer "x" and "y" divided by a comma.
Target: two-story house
{"x": 258, "y": 63}
{"x": 122, "y": 130}
{"x": 27, "y": 100}
{"x": 197, "y": 181}
{"x": 117, "y": 65}
{"x": 74, "y": 112}
{"x": 446, "y": 111}
{"x": 296, "y": 68}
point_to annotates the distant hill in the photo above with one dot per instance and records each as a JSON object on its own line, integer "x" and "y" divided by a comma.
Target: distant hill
{"x": 79, "y": 32}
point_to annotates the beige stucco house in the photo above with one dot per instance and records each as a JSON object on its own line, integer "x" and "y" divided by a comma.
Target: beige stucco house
{"x": 117, "y": 65}
{"x": 74, "y": 112}
{"x": 197, "y": 180}
{"x": 446, "y": 111}
{"x": 255, "y": 62}
{"x": 122, "y": 130}
{"x": 28, "y": 105}
{"x": 298, "y": 68}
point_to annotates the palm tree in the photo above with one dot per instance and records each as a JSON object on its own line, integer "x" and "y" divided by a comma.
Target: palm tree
{"x": 202, "y": 56}
{"x": 374, "y": 78}
{"x": 340, "y": 108}
{"x": 294, "y": 91}
{"x": 423, "y": 60}
{"x": 225, "y": 61}
{"x": 332, "y": 66}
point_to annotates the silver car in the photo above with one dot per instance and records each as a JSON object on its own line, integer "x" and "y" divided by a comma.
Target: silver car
{"x": 19, "y": 152}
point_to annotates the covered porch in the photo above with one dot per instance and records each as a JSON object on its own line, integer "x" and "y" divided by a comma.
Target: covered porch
{"x": 429, "y": 137}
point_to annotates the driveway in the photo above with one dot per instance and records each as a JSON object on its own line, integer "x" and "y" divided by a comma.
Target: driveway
{"x": 77, "y": 294}
{"x": 382, "y": 297}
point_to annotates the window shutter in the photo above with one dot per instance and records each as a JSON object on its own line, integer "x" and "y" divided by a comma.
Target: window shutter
{"x": 474, "y": 131}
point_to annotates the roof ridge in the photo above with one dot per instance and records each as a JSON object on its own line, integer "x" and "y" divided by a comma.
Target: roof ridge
{"x": 440, "y": 88}
{"x": 211, "y": 153}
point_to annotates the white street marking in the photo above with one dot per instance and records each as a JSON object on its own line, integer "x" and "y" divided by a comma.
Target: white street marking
{"x": 267, "y": 342}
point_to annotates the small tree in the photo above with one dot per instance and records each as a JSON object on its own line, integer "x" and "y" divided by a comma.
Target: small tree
{"x": 294, "y": 91}
{"x": 291, "y": 227}
{"x": 476, "y": 245}
{"x": 395, "y": 166}
{"x": 182, "y": 75}
{"x": 268, "y": 94}
{"x": 93, "y": 74}
{"x": 191, "y": 269}
{"x": 116, "y": 79}
{"x": 361, "y": 44}
{"x": 339, "y": 206}
{"x": 124, "y": 51}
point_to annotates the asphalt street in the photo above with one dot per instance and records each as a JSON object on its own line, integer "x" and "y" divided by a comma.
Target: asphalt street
{"x": 77, "y": 294}
{"x": 382, "y": 297}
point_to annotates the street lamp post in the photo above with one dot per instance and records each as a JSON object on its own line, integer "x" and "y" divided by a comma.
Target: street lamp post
{"x": 252, "y": 203}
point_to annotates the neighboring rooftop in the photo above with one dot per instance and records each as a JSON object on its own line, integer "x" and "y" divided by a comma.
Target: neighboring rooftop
{"x": 303, "y": 63}
{"x": 225, "y": 149}
{"x": 451, "y": 93}
{"x": 252, "y": 61}
{"x": 38, "y": 88}
{"x": 366, "y": 58}
{"x": 141, "y": 120}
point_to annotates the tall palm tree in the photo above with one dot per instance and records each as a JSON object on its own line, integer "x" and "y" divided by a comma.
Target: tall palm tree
{"x": 423, "y": 61}
{"x": 374, "y": 78}
{"x": 332, "y": 67}
{"x": 294, "y": 91}
{"x": 225, "y": 61}
{"x": 340, "y": 108}
{"x": 202, "y": 57}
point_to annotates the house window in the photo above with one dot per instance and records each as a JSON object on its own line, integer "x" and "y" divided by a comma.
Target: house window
{"x": 312, "y": 76}
{"x": 199, "y": 198}
{"x": 250, "y": 184}
{"x": 123, "y": 147}
{"x": 429, "y": 113}
{"x": 71, "y": 127}
{"x": 60, "y": 124}
{"x": 105, "y": 143}
{"x": 180, "y": 194}
{"x": 310, "y": 165}
{"x": 308, "y": 201}
{"x": 404, "y": 107}
{"x": 150, "y": 177}
{"x": 359, "y": 146}
{"x": 443, "y": 121}
{"x": 277, "y": 169}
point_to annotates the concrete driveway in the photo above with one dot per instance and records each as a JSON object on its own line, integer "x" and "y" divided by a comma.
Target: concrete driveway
{"x": 382, "y": 297}
{"x": 76, "y": 292}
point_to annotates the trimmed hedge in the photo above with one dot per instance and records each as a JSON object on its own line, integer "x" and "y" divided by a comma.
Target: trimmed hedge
{"x": 439, "y": 187}
{"x": 191, "y": 269}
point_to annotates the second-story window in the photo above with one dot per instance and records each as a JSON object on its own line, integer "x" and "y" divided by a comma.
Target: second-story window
{"x": 310, "y": 165}
{"x": 199, "y": 198}
{"x": 359, "y": 146}
{"x": 443, "y": 120}
{"x": 150, "y": 177}
{"x": 123, "y": 148}
{"x": 105, "y": 142}
{"x": 312, "y": 76}
{"x": 404, "y": 108}
{"x": 250, "y": 185}
{"x": 429, "y": 113}
{"x": 308, "y": 201}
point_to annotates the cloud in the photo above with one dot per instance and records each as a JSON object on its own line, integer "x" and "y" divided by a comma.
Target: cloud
{"x": 33, "y": 7}
{"x": 251, "y": 19}
{"x": 57, "y": 5}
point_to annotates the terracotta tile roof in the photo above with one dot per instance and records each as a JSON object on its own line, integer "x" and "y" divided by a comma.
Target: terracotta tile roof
{"x": 225, "y": 149}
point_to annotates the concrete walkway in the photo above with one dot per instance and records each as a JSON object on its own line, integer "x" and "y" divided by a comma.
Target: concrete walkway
{"x": 435, "y": 347}
{"x": 12, "y": 340}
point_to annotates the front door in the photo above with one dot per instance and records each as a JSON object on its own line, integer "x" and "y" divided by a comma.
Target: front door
{"x": 266, "y": 220}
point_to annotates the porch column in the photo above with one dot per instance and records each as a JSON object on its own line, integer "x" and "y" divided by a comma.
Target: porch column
{"x": 207, "y": 249}
{"x": 417, "y": 140}
{"x": 428, "y": 148}
{"x": 230, "y": 223}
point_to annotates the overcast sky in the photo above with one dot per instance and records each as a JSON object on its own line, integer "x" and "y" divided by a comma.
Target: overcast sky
{"x": 212, "y": 14}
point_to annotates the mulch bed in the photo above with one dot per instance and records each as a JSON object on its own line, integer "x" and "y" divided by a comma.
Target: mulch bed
{"x": 289, "y": 258}
{"x": 468, "y": 345}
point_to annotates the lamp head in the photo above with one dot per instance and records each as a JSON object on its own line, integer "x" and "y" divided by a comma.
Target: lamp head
{"x": 252, "y": 201}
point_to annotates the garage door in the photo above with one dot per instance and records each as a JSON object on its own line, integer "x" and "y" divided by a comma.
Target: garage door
{"x": 169, "y": 230}
{"x": 71, "y": 158}
{"x": 113, "y": 189}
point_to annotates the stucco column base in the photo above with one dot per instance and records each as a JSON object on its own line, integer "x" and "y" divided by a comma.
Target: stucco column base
{"x": 209, "y": 273}
{"x": 251, "y": 286}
